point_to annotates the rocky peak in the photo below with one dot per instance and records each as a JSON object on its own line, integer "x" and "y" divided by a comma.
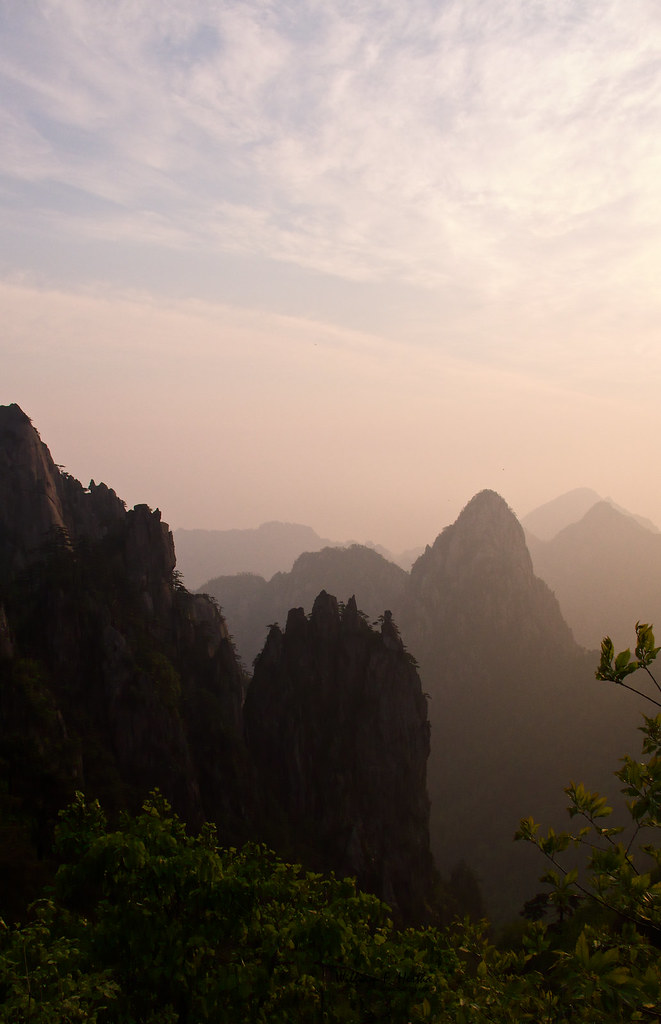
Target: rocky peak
{"x": 30, "y": 503}
{"x": 479, "y": 573}
{"x": 40, "y": 504}
{"x": 113, "y": 678}
{"x": 337, "y": 724}
{"x": 486, "y": 531}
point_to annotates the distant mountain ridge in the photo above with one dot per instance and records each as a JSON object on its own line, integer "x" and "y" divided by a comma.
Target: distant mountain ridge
{"x": 265, "y": 550}
{"x": 549, "y": 519}
{"x": 504, "y": 675}
{"x": 605, "y": 571}
{"x": 114, "y": 678}
{"x": 252, "y": 603}
{"x": 270, "y": 548}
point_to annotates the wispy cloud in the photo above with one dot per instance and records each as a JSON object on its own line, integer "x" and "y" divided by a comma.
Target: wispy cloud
{"x": 508, "y": 153}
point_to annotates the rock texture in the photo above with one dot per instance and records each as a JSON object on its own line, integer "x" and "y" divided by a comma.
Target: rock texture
{"x": 115, "y": 679}
{"x": 337, "y": 724}
{"x": 477, "y": 579}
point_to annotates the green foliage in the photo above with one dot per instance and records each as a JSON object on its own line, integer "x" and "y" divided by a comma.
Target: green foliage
{"x": 46, "y": 976}
{"x": 613, "y": 965}
{"x": 615, "y": 668}
{"x": 188, "y": 931}
{"x": 147, "y": 923}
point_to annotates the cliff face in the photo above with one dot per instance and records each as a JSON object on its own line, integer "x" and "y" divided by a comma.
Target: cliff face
{"x": 37, "y": 501}
{"x": 477, "y": 578}
{"x": 516, "y": 712}
{"x": 114, "y": 679}
{"x": 337, "y": 725}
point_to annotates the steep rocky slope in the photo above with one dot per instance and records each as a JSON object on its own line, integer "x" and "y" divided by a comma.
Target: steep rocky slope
{"x": 337, "y": 725}
{"x": 112, "y": 678}
{"x": 515, "y": 709}
{"x": 115, "y": 679}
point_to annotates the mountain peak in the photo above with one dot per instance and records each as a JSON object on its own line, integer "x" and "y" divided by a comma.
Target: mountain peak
{"x": 485, "y": 530}
{"x": 605, "y": 512}
{"x": 547, "y": 520}
{"x": 486, "y": 503}
{"x": 13, "y": 415}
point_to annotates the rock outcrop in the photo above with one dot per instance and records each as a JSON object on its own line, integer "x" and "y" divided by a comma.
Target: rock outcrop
{"x": 337, "y": 725}
{"x": 114, "y": 679}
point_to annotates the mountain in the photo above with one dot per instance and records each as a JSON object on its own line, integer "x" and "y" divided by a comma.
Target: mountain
{"x": 114, "y": 679}
{"x": 250, "y": 603}
{"x": 515, "y": 710}
{"x": 605, "y": 571}
{"x": 270, "y": 548}
{"x": 547, "y": 520}
{"x": 514, "y": 707}
{"x": 337, "y": 724}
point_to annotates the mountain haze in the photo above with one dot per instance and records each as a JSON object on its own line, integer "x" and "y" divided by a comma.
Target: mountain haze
{"x": 270, "y": 548}
{"x": 251, "y": 603}
{"x": 512, "y": 695}
{"x": 547, "y": 520}
{"x": 115, "y": 679}
{"x": 605, "y": 570}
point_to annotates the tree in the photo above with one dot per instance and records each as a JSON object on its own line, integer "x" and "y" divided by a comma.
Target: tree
{"x": 147, "y": 923}
{"x": 615, "y": 894}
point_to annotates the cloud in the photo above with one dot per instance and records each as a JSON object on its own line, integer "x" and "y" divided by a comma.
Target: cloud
{"x": 506, "y": 156}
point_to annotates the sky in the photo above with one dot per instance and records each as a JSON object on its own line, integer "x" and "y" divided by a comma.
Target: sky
{"x": 335, "y": 262}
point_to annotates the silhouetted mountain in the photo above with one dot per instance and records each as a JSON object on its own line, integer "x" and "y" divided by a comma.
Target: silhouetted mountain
{"x": 337, "y": 725}
{"x": 115, "y": 679}
{"x": 513, "y": 697}
{"x": 270, "y": 548}
{"x": 250, "y": 604}
{"x": 605, "y": 571}
{"x": 515, "y": 710}
{"x": 549, "y": 519}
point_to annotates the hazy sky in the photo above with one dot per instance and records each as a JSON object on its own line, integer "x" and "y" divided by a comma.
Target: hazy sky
{"x": 340, "y": 262}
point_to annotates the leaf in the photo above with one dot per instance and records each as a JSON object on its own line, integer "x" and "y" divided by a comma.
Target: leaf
{"x": 581, "y": 950}
{"x": 622, "y": 660}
